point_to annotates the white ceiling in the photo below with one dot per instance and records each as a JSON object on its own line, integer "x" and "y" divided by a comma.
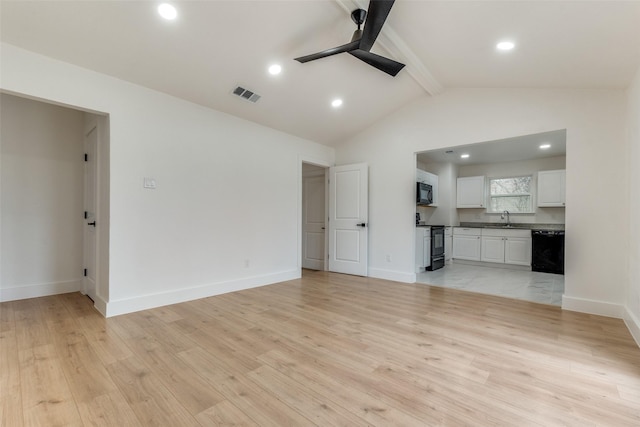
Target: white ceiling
{"x": 524, "y": 147}
{"x": 215, "y": 45}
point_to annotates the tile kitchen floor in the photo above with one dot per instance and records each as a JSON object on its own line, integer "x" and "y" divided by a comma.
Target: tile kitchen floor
{"x": 545, "y": 288}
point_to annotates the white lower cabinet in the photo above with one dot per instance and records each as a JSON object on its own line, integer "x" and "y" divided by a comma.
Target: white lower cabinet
{"x": 448, "y": 244}
{"x": 506, "y": 246}
{"x": 492, "y": 249}
{"x": 492, "y": 245}
{"x": 423, "y": 248}
{"x": 517, "y": 250}
{"x": 466, "y": 243}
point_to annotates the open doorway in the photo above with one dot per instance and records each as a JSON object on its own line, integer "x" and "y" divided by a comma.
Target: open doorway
{"x": 44, "y": 199}
{"x": 495, "y": 200}
{"x": 314, "y": 216}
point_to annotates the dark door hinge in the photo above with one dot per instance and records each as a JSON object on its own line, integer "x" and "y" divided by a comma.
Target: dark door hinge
{"x": 86, "y": 214}
{"x": 86, "y": 157}
{"x": 85, "y": 272}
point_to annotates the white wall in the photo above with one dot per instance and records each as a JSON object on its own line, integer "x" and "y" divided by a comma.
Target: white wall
{"x": 42, "y": 198}
{"x": 502, "y": 169}
{"x": 192, "y": 236}
{"x": 597, "y": 227}
{"x": 632, "y": 313}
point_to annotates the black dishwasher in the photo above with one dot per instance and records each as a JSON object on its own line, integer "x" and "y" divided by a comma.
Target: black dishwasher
{"x": 547, "y": 251}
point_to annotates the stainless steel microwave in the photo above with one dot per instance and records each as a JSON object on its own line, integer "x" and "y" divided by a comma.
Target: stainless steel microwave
{"x": 424, "y": 194}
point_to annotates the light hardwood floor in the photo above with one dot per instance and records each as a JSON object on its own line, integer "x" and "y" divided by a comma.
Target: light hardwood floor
{"x": 325, "y": 350}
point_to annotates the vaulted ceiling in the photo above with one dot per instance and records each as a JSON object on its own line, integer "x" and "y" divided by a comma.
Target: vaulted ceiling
{"x": 214, "y": 46}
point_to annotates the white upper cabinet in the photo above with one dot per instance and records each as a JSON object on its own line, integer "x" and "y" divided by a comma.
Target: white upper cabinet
{"x": 551, "y": 188}
{"x": 471, "y": 192}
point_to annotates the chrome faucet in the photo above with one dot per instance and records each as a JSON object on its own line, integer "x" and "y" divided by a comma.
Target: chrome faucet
{"x": 508, "y": 218}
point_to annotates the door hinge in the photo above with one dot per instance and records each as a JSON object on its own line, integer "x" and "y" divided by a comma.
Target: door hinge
{"x": 86, "y": 157}
{"x": 85, "y": 272}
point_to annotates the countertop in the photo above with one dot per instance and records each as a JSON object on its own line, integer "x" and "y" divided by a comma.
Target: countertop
{"x": 522, "y": 226}
{"x": 514, "y": 226}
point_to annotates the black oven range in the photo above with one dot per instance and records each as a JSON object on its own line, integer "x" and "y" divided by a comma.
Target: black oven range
{"x": 437, "y": 247}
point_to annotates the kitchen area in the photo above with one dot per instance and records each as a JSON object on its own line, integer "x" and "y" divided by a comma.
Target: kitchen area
{"x": 490, "y": 217}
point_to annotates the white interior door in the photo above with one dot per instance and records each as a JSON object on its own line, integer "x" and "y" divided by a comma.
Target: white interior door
{"x": 90, "y": 221}
{"x": 348, "y": 219}
{"x": 313, "y": 222}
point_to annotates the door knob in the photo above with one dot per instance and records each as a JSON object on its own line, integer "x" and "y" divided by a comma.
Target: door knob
{"x": 92, "y": 223}
{"x": 364, "y": 224}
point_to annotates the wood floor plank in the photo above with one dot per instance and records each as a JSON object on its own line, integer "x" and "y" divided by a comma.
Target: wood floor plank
{"x": 325, "y": 349}
{"x": 321, "y": 411}
{"x": 225, "y": 414}
{"x": 30, "y": 323}
{"x": 188, "y": 387}
{"x": 100, "y": 334}
{"x": 333, "y": 386}
{"x": 83, "y": 369}
{"x": 107, "y": 410}
{"x": 10, "y": 388}
{"x": 47, "y": 399}
{"x": 151, "y": 401}
{"x": 264, "y": 408}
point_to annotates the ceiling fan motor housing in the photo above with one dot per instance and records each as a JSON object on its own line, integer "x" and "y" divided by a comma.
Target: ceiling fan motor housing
{"x": 358, "y": 16}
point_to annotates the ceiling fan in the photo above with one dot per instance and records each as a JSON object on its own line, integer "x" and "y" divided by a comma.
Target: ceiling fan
{"x": 362, "y": 40}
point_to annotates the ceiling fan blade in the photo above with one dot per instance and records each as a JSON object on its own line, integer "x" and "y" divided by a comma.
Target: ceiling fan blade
{"x": 387, "y": 65}
{"x": 376, "y": 15}
{"x": 329, "y": 52}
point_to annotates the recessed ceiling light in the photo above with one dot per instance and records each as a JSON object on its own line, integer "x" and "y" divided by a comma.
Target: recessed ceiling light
{"x": 505, "y": 45}
{"x": 275, "y": 69}
{"x": 336, "y": 103}
{"x": 464, "y": 156}
{"x": 545, "y": 146}
{"x": 167, "y": 11}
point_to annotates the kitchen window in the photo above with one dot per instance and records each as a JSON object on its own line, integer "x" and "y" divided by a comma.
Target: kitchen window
{"x": 511, "y": 194}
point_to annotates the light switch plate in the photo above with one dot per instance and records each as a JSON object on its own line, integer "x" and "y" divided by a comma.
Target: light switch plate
{"x": 149, "y": 183}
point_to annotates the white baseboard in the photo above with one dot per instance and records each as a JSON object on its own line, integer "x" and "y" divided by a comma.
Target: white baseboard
{"x": 100, "y": 305}
{"x": 396, "y": 276}
{"x": 39, "y": 290}
{"x": 145, "y": 302}
{"x": 492, "y": 265}
{"x": 633, "y": 324}
{"x": 599, "y": 308}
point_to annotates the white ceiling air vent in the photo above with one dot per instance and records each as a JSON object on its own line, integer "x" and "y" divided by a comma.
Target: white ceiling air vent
{"x": 246, "y": 94}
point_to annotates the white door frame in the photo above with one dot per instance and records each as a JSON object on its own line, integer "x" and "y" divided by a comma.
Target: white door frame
{"x": 318, "y": 224}
{"x": 326, "y": 165}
